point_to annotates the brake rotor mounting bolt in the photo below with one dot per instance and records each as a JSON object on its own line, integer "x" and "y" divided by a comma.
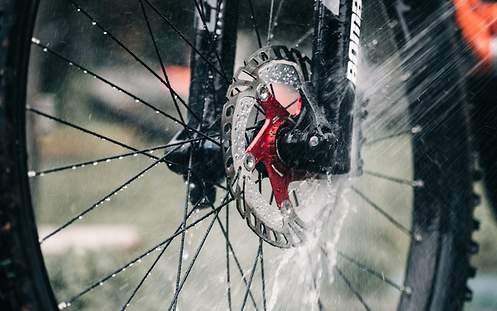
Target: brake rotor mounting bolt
{"x": 262, "y": 92}
{"x": 249, "y": 162}
{"x": 313, "y": 141}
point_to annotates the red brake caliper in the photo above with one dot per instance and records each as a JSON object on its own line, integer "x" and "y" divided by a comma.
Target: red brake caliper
{"x": 263, "y": 147}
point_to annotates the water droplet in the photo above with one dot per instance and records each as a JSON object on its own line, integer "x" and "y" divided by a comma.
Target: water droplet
{"x": 107, "y": 200}
{"x": 31, "y": 174}
{"x": 45, "y": 49}
{"x": 418, "y": 237}
{"x": 95, "y": 163}
{"x": 418, "y": 183}
{"x": 93, "y": 23}
{"x": 80, "y": 217}
{"x": 416, "y": 129}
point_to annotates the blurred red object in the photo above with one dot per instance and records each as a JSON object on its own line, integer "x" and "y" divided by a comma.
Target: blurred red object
{"x": 478, "y": 22}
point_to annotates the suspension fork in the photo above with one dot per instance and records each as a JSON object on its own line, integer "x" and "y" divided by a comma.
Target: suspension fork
{"x": 335, "y": 59}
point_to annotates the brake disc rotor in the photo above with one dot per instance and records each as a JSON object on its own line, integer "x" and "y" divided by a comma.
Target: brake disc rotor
{"x": 250, "y": 151}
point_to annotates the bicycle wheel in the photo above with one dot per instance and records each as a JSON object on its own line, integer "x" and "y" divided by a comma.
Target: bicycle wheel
{"x": 105, "y": 81}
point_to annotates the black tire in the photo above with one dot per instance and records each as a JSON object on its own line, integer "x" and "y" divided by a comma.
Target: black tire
{"x": 442, "y": 155}
{"x": 23, "y": 278}
{"x": 483, "y": 97}
{"x": 438, "y": 265}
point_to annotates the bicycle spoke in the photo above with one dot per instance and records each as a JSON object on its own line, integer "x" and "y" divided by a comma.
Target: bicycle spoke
{"x": 263, "y": 279}
{"x": 412, "y": 183}
{"x": 228, "y": 270}
{"x": 270, "y": 24}
{"x": 235, "y": 257}
{"x": 95, "y": 162}
{"x": 105, "y": 31}
{"x": 254, "y": 23}
{"x": 274, "y": 23}
{"x": 105, "y": 138}
{"x": 163, "y": 67}
{"x": 194, "y": 259}
{"x": 152, "y": 266}
{"x": 183, "y": 235}
{"x": 352, "y": 289}
{"x": 156, "y": 247}
{"x": 382, "y": 212}
{"x": 252, "y": 272}
{"x": 175, "y": 29}
{"x": 84, "y": 130}
{"x": 136, "y": 99}
{"x": 306, "y": 35}
{"x": 150, "y": 269}
{"x": 210, "y": 38}
{"x": 379, "y": 275}
{"x": 106, "y": 198}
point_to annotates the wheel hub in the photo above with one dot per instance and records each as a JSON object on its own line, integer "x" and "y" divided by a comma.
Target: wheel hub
{"x": 252, "y": 151}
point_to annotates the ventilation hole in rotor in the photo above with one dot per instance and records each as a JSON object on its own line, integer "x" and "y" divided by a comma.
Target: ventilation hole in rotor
{"x": 254, "y": 62}
{"x": 229, "y": 162}
{"x": 284, "y": 238}
{"x": 272, "y": 235}
{"x": 253, "y": 220}
{"x": 229, "y": 111}
{"x": 246, "y": 76}
{"x": 262, "y": 229}
{"x": 263, "y": 56}
{"x": 227, "y": 128}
